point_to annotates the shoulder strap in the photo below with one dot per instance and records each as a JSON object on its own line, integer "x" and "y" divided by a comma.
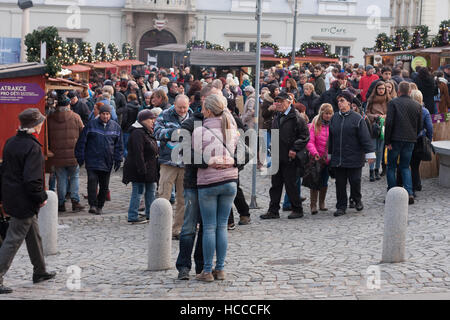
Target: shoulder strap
{"x": 219, "y": 139}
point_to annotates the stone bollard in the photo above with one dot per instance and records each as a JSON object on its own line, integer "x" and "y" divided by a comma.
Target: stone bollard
{"x": 48, "y": 224}
{"x": 160, "y": 235}
{"x": 395, "y": 225}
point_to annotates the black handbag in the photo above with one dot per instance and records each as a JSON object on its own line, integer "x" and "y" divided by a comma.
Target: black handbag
{"x": 376, "y": 129}
{"x": 312, "y": 177}
{"x": 4, "y": 224}
{"x": 423, "y": 148}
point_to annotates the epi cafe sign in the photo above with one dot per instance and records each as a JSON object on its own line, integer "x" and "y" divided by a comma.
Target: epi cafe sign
{"x": 20, "y": 93}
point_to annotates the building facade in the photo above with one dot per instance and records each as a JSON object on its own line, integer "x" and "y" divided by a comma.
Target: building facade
{"x": 347, "y": 25}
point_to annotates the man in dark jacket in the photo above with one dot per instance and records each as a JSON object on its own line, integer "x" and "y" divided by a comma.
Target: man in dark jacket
{"x": 293, "y": 137}
{"x": 319, "y": 80}
{"x": 402, "y": 126}
{"x": 397, "y": 75}
{"x": 129, "y": 117}
{"x": 22, "y": 194}
{"x": 140, "y": 166}
{"x": 349, "y": 145}
{"x": 172, "y": 93}
{"x": 100, "y": 145}
{"x": 79, "y": 106}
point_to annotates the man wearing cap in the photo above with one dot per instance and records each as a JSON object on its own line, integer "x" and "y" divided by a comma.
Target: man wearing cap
{"x": 366, "y": 81}
{"x": 293, "y": 137}
{"x": 22, "y": 194}
{"x": 249, "y": 107}
{"x": 100, "y": 146}
{"x": 140, "y": 166}
{"x": 349, "y": 145}
{"x": 79, "y": 106}
{"x": 64, "y": 128}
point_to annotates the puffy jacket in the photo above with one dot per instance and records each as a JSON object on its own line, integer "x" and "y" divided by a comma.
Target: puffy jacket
{"x": 364, "y": 85}
{"x": 167, "y": 122}
{"x": 142, "y": 160}
{"x": 349, "y": 140}
{"x": 64, "y": 129}
{"x": 311, "y": 103}
{"x": 403, "y": 120}
{"x": 318, "y": 144}
{"x": 22, "y": 179}
{"x": 100, "y": 145}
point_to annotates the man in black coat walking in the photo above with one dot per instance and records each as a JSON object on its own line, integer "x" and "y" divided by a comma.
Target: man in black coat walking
{"x": 293, "y": 137}
{"x": 22, "y": 194}
{"x": 79, "y": 106}
{"x": 349, "y": 145}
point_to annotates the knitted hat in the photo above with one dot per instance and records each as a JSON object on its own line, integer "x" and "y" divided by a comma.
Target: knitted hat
{"x": 145, "y": 115}
{"x": 30, "y": 118}
{"x": 369, "y": 67}
{"x": 105, "y": 108}
{"x": 346, "y": 95}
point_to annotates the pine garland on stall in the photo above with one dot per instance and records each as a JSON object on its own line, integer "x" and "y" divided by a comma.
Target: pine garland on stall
{"x": 115, "y": 53}
{"x": 401, "y": 39}
{"x": 420, "y": 37}
{"x": 100, "y": 52}
{"x": 87, "y": 52}
{"x": 442, "y": 38}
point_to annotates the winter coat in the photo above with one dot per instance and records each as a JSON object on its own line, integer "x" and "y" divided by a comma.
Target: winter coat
{"x": 172, "y": 98}
{"x": 113, "y": 111}
{"x": 427, "y": 124}
{"x": 319, "y": 84}
{"x": 23, "y": 176}
{"x": 372, "y": 87}
{"x": 100, "y": 145}
{"x": 377, "y": 107}
{"x": 249, "y": 112}
{"x": 364, "y": 85}
{"x": 167, "y": 122}
{"x": 142, "y": 160}
{"x": 444, "y": 103}
{"x": 397, "y": 79}
{"x": 129, "y": 117}
{"x": 403, "y": 120}
{"x": 349, "y": 140}
{"x": 330, "y": 96}
{"x": 266, "y": 116}
{"x": 318, "y": 144}
{"x": 64, "y": 128}
{"x": 121, "y": 104}
{"x": 293, "y": 133}
{"x": 82, "y": 110}
{"x": 210, "y": 143}
{"x": 311, "y": 104}
{"x": 429, "y": 90}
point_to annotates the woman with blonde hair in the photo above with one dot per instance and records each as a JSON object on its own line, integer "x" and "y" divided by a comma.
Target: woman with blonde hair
{"x": 390, "y": 89}
{"x": 310, "y": 100}
{"x": 318, "y": 148}
{"x": 160, "y": 100}
{"x": 216, "y": 140}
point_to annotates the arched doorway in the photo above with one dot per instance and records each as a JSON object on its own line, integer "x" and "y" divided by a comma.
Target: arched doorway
{"x": 154, "y": 38}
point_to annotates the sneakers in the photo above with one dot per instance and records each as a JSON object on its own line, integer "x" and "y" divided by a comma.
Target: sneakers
{"x": 183, "y": 274}
{"x": 140, "y": 220}
{"x": 231, "y": 226}
{"x": 270, "y": 215}
{"x": 205, "y": 276}
{"x": 339, "y": 212}
{"x": 244, "y": 220}
{"x": 77, "y": 207}
{"x": 295, "y": 215}
{"x": 43, "y": 277}
{"x": 218, "y": 274}
{"x": 5, "y": 290}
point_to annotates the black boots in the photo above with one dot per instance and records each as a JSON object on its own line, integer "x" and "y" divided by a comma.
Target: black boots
{"x": 372, "y": 175}
{"x": 43, "y": 277}
{"x": 377, "y": 175}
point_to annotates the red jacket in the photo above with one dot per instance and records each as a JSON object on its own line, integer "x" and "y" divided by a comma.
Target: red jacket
{"x": 365, "y": 83}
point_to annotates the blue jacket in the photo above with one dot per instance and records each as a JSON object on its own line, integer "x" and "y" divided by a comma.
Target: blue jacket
{"x": 165, "y": 125}
{"x": 427, "y": 124}
{"x": 100, "y": 145}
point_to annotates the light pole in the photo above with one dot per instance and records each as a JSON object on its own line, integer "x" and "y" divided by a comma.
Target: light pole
{"x": 25, "y": 5}
{"x": 253, "y": 204}
{"x": 204, "y": 34}
{"x": 295, "y": 34}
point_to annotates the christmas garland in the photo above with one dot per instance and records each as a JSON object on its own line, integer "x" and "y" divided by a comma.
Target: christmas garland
{"x": 86, "y": 51}
{"x": 384, "y": 43}
{"x": 128, "y": 52}
{"x": 200, "y": 44}
{"x": 420, "y": 37}
{"x": 316, "y": 45}
{"x": 442, "y": 39}
{"x": 401, "y": 39}
{"x": 115, "y": 53}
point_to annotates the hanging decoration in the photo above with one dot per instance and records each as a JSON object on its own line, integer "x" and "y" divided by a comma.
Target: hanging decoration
{"x": 401, "y": 39}
{"x": 420, "y": 37}
{"x": 128, "y": 52}
{"x": 115, "y": 53}
{"x": 383, "y": 43}
{"x": 199, "y": 44}
{"x": 442, "y": 38}
{"x": 316, "y": 49}
{"x": 86, "y": 52}
{"x": 100, "y": 52}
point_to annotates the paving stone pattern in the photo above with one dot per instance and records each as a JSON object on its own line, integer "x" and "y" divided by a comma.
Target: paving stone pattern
{"x": 316, "y": 257}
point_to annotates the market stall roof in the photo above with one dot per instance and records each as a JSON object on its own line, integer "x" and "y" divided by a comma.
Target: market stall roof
{"x": 124, "y": 63}
{"x": 412, "y": 51}
{"x": 17, "y": 70}
{"x": 216, "y": 58}
{"x": 77, "y": 68}
{"x": 100, "y": 65}
{"x": 62, "y": 84}
{"x": 171, "y": 47}
{"x": 266, "y": 58}
{"x": 315, "y": 59}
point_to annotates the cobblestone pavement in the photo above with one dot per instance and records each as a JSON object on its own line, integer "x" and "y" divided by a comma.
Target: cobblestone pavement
{"x": 316, "y": 257}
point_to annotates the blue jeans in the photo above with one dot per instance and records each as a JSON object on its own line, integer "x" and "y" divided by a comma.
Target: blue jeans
{"x": 187, "y": 235}
{"x": 379, "y": 148}
{"x": 404, "y": 150}
{"x": 215, "y": 205}
{"x": 52, "y": 182}
{"x": 286, "y": 201}
{"x": 125, "y": 136}
{"x": 136, "y": 194}
{"x": 67, "y": 176}
{"x": 268, "y": 144}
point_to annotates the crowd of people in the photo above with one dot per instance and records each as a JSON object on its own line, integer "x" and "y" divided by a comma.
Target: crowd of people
{"x": 340, "y": 117}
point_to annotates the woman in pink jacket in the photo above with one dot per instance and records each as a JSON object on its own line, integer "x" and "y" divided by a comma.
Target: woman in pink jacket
{"x": 318, "y": 148}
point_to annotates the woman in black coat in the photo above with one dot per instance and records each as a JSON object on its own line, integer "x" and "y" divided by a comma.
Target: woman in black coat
{"x": 310, "y": 100}
{"x": 140, "y": 166}
{"x": 427, "y": 86}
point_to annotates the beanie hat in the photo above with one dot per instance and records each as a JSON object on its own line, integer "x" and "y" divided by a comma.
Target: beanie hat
{"x": 30, "y": 118}
{"x": 105, "y": 108}
{"x": 145, "y": 115}
{"x": 63, "y": 100}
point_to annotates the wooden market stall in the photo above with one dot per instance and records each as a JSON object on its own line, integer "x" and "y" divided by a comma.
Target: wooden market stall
{"x": 106, "y": 68}
{"x": 79, "y": 72}
{"x": 126, "y": 65}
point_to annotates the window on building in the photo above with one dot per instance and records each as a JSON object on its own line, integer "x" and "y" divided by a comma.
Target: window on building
{"x": 76, "y": 40}
{"x": 344, "y": 53}
{"x": 252, "y": 47}
{"x": 237, "y": 46}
